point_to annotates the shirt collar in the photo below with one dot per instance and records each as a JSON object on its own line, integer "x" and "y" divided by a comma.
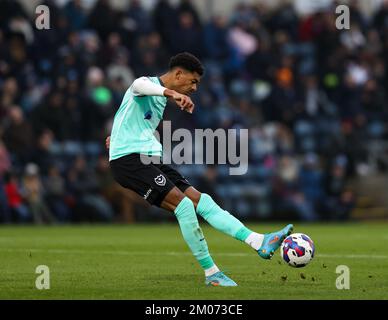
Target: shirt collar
{"x": 161, "y": 82}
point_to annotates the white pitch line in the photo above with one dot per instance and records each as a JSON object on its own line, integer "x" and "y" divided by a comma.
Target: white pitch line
{"x": 176, "y": 253}
{"x": 353, "y": 256}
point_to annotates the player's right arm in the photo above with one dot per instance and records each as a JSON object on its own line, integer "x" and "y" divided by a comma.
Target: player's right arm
{"x": 145, "y": 87}
{"x": 183, "y": 101}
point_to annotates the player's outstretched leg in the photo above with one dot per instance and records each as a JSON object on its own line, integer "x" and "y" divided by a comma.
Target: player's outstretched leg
{"x": 264, "y": 244}
{"x": 192, "y": 233}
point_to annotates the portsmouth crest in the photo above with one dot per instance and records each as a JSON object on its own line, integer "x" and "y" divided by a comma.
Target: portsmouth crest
{"x": 160, "y": 180}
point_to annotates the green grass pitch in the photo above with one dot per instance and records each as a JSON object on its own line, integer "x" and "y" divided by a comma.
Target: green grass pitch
{"x": 153, "y": 262}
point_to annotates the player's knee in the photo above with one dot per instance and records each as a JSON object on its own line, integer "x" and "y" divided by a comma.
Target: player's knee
{"x": 194, "y": 195}
{"x": 172, "y": 199}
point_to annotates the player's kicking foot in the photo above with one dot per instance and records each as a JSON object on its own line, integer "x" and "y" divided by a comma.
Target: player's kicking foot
{"x": 219, "y": 279}
{"x": 272, "y": 242}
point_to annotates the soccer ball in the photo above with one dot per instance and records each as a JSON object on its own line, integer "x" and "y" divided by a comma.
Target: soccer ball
{"x": 297, "y": 250}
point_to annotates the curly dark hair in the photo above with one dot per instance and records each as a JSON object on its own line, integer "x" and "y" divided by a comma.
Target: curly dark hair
{"x": 187, "y": 61}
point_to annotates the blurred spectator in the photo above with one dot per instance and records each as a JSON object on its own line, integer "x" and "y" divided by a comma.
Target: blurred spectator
{"x": 186, "y": 6}
{"x": 9, "y": 9}
{"x": 5, "y": 214}
{"x": 165, "y": 21}
{"x": 187, "y": 36}
{"x": 139, "y": 18}
{"x": 123, "y": 200}
{"x": 97, "y": 105}
{"x": 55, "y": 194}
{"x": 311, "y": 183}
{"x": 116, "y": 58}
{"x": 289, "y": 191}
{"x": 5, "y": 161}
{"x": 20, "y": 25}
{"x": 18, "y": 209}
{"x": 380, "y": 19}
{"x": 243, "y": 42}
{"x": 91, "y": 45}
{"x": 150, "y": 55}
{"x": 50, "y": 115}
{"x": 340, "y": 200}
{"x": 284, "y": 89}
{"x": 260, "y": 63}
{"x": 373, "y": 101}
{"x": 75, "y": 14}
{"x": 353, "y": 39}
{"x": 34, "y": 193}
{"x": 102, "y": 18}
{"x": 84, "y": 188}
{"x": 10, "y": 94}
{"x": 5, "y": 166}
{"x": 43, "y": 155}
{"x": 18, "y": 135}
{"x": 72, "y": 121}
{"x": 216, "y": 41}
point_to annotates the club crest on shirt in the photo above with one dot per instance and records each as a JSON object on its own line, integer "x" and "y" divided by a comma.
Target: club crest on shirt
{"x": 148, "y": 115}
{"x": 160, "y": 180}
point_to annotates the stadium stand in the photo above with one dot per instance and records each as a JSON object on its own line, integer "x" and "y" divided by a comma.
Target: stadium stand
{"x": 313, "y": 97}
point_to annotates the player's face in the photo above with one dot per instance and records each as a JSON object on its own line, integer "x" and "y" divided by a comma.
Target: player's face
{"x": 187, "y": 82}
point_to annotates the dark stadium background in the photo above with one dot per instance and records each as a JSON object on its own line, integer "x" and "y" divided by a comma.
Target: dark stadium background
{"x": 313, "y": 97}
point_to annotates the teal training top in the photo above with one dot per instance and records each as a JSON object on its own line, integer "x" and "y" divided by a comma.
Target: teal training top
{"x": 135, "y": 123}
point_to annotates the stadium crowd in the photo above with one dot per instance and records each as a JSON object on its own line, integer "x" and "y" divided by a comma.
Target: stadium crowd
{"x": 313, "y": 97}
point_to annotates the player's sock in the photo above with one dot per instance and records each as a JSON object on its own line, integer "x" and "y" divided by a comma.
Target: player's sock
{"x": 192, "y": 233}
{"x": 213, "y": 270}
{"x": 223, "y": 221}
{"x": 255, "y": 240}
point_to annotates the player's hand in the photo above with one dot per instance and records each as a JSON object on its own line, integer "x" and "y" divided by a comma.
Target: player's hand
{"x": 107, "y": 142}
{"x": 184, "y": 102}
